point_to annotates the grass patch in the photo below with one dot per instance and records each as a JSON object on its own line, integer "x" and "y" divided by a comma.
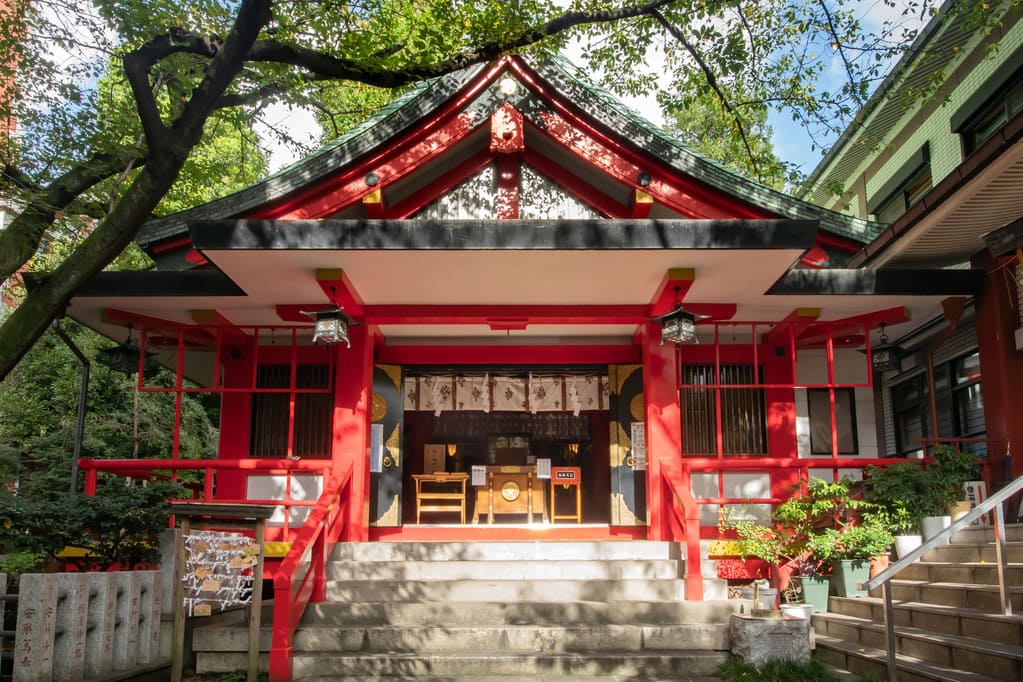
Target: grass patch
{"x": 735, "y": 670}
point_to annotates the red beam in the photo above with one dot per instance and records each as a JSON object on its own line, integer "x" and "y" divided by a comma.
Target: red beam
{"x": 125, "y": 318}
{"x": 849, "y": 327}
{"x": 420, "y": 199}
{"x": 672, "y": 289}
{"x": 508, "y": 355}
{"x": 640, "y": 205}
{"x": 792, "y": 326}
{"x": 485, "y": 314}
{"x": 340, "y": 290}
{"x": 425, "y": 129}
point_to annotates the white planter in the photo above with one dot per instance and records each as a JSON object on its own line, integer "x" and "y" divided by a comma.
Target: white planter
{"x": 797, "y": 610}
{"x": 904, "y": 544}
{"x": 933, "y": 525}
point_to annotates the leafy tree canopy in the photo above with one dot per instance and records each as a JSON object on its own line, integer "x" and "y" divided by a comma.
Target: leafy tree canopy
{"x": 84, "y": 149}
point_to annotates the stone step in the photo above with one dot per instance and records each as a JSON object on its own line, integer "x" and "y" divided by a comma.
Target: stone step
{"x": 534, "y": 638}
{"x": 529, "y": 550}
{"x": 634, "y": 569}
{"x": 872, "y": 661}
{"x": 451, "y": 613}
{"x": 506, "y": 590}
{"x": 984, "y": 625}
{"x": 506, "y": 663}
{"x": 971, "y": 572}
{"x": 963, "y": 553}
{"x": 542, "y": 677}
{"x": 1001, "y": 661}
{"x": 983, "y": 534}
{"x": 962, "y": 595}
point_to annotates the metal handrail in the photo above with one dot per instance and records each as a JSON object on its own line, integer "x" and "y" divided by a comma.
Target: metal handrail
{"x": 882, "y": 579}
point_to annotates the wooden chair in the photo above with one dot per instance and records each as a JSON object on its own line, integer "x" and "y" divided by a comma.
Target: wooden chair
{"x": 440, "y": 492}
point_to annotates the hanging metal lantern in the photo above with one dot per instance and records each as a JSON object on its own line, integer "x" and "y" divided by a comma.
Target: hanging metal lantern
{"x": 677, "y": 326}
{"x": 123, "y": 358}
{"x": 331, "y": 326}
{"x": 885, "y": 356}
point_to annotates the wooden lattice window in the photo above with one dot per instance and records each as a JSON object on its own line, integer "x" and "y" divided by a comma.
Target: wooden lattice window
{"x": 743, "y": 413}
{"x": 271, "y": 412}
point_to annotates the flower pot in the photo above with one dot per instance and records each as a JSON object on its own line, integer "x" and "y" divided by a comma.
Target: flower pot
{"x": 933, "y": 525}
{"x": 904, "y": 544}
{"x": 959, "y": 509}
{"x": 847, "y": 575}
{"x": 766, "y": 597}
{"x": 815, "y": 592}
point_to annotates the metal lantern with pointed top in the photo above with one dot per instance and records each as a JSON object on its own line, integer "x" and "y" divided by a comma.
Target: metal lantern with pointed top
{"x": 885, "y": 356}
{"x": 123, "y": 358}
{"x": 677, "y": 326}
{"x": 331, "y": 326}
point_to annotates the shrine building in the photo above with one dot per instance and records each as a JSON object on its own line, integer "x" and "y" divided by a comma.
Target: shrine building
{"x": 507, "y": 307}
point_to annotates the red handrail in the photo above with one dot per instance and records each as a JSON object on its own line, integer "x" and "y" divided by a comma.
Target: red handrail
{"x": 684, "y": 525}
{"x": 294, "y": 589}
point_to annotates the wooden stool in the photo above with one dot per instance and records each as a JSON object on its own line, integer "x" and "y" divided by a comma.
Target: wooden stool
{"x": 442, "y": 493}
{"x": 566, "y": 477}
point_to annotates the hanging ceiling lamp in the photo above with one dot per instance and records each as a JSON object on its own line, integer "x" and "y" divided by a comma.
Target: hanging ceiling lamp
{"x": 332, "y": 324}
{"x": 885, "y": 356}
{"x": 678, "y": 325}
{"x": 123, "y": 358}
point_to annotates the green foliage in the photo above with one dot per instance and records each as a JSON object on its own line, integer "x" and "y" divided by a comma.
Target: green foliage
{"x": 904, "y": 490}
{"x": 822, "y": 522}
{"x": 949, "y": 470}
{"x": 909, "y": 491}
{"x": 736, "y": 670}
{"x": 705, "y": 125}
{"x": 38, "y": 407}
{"x": 120, "y": 525}
{"x": 16, "y": 563}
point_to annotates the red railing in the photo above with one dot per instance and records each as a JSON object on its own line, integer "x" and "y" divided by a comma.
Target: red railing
{"x": 294, "y": 589}
{"x": 146, "y": 469}
{"x": 684, "y": 526}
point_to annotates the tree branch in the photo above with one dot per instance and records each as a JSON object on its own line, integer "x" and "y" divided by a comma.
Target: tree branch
{"x": 713, "y": 82}
{"x": 839, "y": 47}
{"x": 20, "y": 240}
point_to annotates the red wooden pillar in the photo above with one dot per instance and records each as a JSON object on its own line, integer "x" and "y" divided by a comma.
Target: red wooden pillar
{"x": 1001, "y": 365}
{"x": 352, "y": 395}
{"x": 663, "y": 424}
{"x": 781, "y": 413}
{"x": 235, "y": 412}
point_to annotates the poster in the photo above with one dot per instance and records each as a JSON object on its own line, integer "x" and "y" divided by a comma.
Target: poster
{"x": 638, "y": 446}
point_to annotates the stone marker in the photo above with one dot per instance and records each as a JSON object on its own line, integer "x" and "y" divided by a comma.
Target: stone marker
{"x": 759, "y": 640}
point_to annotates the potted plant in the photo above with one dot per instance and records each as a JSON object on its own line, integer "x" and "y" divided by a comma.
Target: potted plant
{"x": 787, "y": 543}
{"x": 949, "y": 470}
{"x": 860, "y": 532}
{"x": 903, "y": 490}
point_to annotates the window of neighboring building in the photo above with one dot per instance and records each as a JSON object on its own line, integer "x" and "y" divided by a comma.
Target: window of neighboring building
{"x": 993, "y": 114}
{"x": 959, "y": 403}
{"x": 908, "y": 193}
{"x": 819, "y": 403}
{"x": 743, "y": 415}
{"x": 910, "y": 414}
{"x": 271, "y": 418}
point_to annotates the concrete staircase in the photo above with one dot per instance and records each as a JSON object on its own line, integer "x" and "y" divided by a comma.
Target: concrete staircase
{"x": 504, "y": 610}
{"x": 948, "y": 617}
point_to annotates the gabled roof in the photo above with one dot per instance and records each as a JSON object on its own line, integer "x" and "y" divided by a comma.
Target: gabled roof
{"x": 552, "y": 83}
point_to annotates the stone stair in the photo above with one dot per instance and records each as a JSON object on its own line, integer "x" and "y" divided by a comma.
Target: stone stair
{"x": 496, "y": 610}
{"x": 949, "y": 624}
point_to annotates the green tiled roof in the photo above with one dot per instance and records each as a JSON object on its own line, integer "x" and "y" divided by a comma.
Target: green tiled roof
{"x": 568, "y": 81}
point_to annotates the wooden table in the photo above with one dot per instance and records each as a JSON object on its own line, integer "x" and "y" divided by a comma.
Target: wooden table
{"x": 440, "y": 492}
{"x": 567, "y": 477}
{"x": 510, "y": 490}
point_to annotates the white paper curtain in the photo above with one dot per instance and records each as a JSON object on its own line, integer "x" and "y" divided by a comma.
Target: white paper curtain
{"x": 486, "y": 393}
